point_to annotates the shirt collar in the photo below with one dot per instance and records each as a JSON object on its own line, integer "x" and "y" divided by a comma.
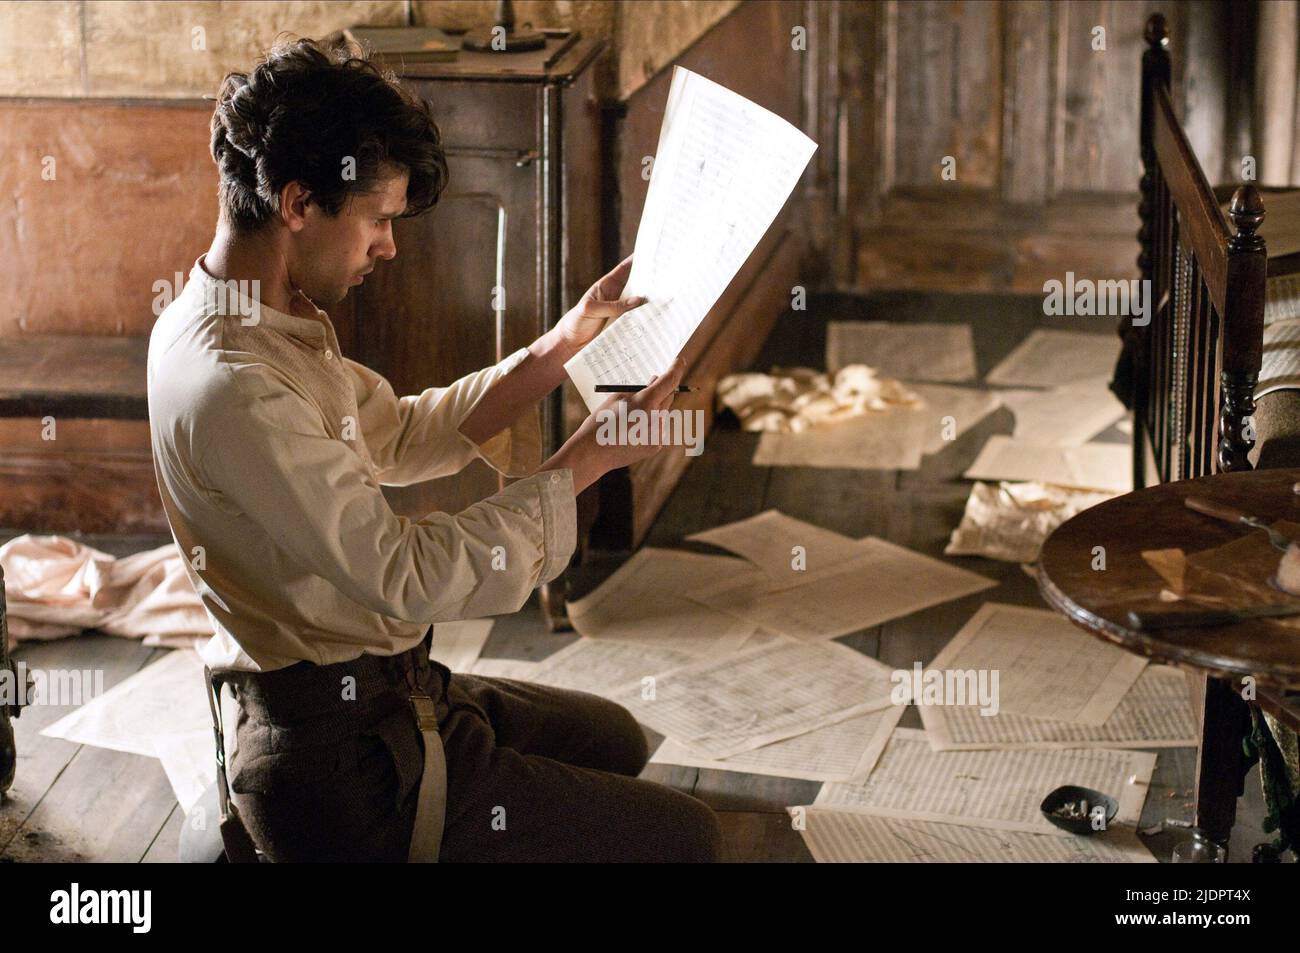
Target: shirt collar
{"x": 310, "y": 331}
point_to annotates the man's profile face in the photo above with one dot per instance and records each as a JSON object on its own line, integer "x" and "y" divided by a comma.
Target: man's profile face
{"x": 331, "y": 253}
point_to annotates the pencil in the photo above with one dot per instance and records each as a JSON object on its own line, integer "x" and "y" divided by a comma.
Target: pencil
{"x": 633, "y": 388}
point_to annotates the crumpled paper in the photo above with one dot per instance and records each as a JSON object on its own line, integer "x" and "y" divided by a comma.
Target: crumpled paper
{"x": 55, "y": 586}
{"x": 1010, "y": 521}
{"x": 792, "y": 399}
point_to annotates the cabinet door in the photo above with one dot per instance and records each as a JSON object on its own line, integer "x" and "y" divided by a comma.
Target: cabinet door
{"x": 461, "y": 293}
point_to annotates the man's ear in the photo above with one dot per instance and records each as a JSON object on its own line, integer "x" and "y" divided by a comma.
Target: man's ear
{"x": 294, "y": 199}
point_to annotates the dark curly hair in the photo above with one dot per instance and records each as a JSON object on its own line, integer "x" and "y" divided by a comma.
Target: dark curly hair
{"x": 301, "y": 112}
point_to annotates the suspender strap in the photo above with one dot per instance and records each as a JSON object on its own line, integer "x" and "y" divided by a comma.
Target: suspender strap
{"x": 431, "y": 810}
{"x": 239, "y": 846}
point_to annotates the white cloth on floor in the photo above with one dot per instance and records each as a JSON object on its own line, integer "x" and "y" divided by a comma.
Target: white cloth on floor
{"x": 792, "y": 399}
{"x": 56, "y": 586}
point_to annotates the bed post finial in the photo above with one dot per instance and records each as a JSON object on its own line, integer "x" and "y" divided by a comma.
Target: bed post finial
{"x": 1155, "y": 72}
{"x": 1157, "y": 34}
{"x": 1246, "y": 212}
{"x": 1243, "y": 329}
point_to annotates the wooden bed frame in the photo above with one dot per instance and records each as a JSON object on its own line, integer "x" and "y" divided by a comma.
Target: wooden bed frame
{"x": 1194, "y": 371}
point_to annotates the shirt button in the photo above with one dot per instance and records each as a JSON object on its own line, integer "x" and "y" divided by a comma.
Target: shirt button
{"x": 328, "y": 354}
{"x": 555, "y": 478}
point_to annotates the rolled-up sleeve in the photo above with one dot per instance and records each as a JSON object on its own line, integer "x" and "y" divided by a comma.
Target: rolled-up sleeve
{"x": 271, "y": 460}
{"x": 418, "y": 438}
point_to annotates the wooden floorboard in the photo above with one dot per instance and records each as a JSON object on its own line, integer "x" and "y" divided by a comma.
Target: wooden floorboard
{"x": 68, "y": 799}
{"x": 72, "y": 802}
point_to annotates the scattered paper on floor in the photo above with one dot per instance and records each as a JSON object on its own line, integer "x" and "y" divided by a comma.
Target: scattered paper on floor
{"x": 644, "y": 602}
{"x": 893, "y": 440}
{"x": 190, "y": 762}
{"x": 769, "y": 541}
{"x": 1066, "y": 416}
{"x": 1156, "y": 713}
{"x": 1052, "y": 358}
{"x": 722, "y": 706}
{"x": 841, "y": 837}
{"x": 888, "y": 582}
{"x": 162, "y": 712}
{"x": 999, "y": 789}
{"x": 458, "y": 644}
{"x": 845, "y": 751}
{"x": 951, "y": 411}
{"x": 1047, "y": 667}
{"x": 1093, "y": 466}
{"x": 520, "y": 670}
{"x": 601, "y": 666}
{"x": 913, "y": 351}
{"x": 1010, "y": 521}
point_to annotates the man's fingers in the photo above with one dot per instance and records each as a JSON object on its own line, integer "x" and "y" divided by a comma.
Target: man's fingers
{"x": 663, "y": 387}
{"x": 611, "y": 286}
{"x": 609, "y": 402}
{"x": 612, "y": 309}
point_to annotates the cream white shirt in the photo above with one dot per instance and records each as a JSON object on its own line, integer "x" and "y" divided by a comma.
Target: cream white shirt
{"x": 270, "y": 448}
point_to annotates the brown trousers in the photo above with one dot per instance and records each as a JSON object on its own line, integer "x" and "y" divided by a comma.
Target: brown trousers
{"x": 328, "y": 762}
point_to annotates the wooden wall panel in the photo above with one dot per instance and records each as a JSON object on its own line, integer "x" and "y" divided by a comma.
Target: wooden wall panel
{"x": 1029, "y": 46}
{"x": 132, "y": 201}
{"x": 948, "y": 93}
{"x": 1043, "y": 128}
{"x": 1097, "y": 109}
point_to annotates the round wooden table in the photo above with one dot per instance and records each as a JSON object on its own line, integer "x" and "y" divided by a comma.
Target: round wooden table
{"x": 1156, "y": 518}
{"x": 1099, "y": 600}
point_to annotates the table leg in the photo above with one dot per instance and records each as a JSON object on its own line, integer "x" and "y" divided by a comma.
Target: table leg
{"x": 1220, "y": 763}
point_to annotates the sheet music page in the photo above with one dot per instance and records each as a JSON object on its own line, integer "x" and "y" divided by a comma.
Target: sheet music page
{"x": 190, "y": 763}
{"x": 1000, "y": 789}
{"x": 842, "y": 837}
{"x": 1066, "y": 416}
{"x": 601, "y": 666}
{"x": 644, "y": 602}
{"x": 723, "y": 706}
{"x": 914, "y": 351}
{"x": 967, "y": 406}
{"x": 1106, "y": 467}
{"x": 845, "y": 751}
{"x": 160, "y": 712}
{"x": 768, "y": 541}
{"x": 1051, "y": 358}
{"x": 892, "y": 439}
{"x": 1048, "y": 668}
{"x": 457, "y": 644}
{"x": 1156, "y": 713}
{"x": 723, "y": 169}
{"x": 165, "y": 697}
{"x": 887, "y": 583}
{"x": 520, "y": 670}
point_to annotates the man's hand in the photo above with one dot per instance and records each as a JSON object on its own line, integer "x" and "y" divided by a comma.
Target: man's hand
{"x": 602, "y": 302}
{"x": 588, "y": 458}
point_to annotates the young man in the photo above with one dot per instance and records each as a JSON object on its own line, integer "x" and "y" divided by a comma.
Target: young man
{"x": 270, "y": 448}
